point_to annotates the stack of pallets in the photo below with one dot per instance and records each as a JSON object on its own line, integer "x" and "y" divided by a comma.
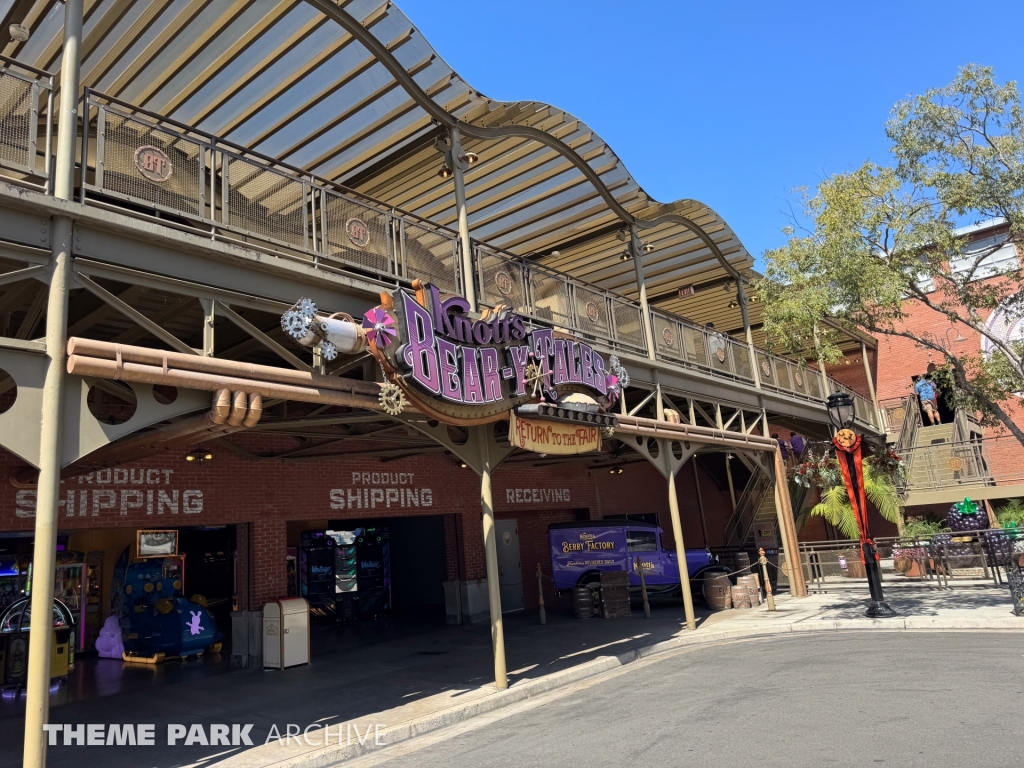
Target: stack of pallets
{"x": 615, "y": 594}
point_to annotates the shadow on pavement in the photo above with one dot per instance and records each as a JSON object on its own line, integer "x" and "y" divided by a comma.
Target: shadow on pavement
{"x": 356, "y": 672}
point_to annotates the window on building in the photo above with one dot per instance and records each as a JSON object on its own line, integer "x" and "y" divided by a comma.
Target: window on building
{"x": 997, "y": 256}
{"x": 642, "y": 541}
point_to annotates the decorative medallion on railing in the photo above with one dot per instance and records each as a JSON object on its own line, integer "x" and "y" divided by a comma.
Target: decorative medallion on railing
{"x": 358, "y": 233}
{"x": 503, "y": 282}
{"x": 153, "y": 163}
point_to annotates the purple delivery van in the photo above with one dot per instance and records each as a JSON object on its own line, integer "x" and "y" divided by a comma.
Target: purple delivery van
{"x": 581, "y": 550}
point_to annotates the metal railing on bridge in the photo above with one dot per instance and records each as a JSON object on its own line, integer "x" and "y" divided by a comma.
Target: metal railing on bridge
{"x": 964, "y": 466}
{"x": 25, "y": 145}
{"x": 153, "y": 166}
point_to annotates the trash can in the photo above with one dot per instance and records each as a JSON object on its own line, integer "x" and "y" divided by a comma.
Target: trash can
{"x": 285, "y": 633}
{"x": 60, "y": 653}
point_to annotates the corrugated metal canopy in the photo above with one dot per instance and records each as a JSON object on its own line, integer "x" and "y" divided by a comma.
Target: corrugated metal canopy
{"x": 353, "y": 92}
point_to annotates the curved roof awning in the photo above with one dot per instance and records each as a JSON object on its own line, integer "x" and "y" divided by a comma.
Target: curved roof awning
{"x": 353, "y": 92}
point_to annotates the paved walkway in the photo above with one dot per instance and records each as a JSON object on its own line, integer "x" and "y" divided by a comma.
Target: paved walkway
{"x": 413, "y": 682}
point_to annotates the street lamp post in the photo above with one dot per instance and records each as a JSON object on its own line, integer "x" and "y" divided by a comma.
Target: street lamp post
{"x": 841, "y": 412}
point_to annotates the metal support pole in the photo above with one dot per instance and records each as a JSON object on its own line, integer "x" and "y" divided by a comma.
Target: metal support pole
{"x": 209, "y": 317}
{"x": 825, "y": 384}
{"x": 458, "y": 166}
{"x": 728, "y": 479}
{"x": 37, "y": 689}
{"x": 491, "y": 562}
{"x": 787, "y": 529}
{"x": 871, "y": 381}
{"x": 540, "y": 595}
{"x": 741, "y": 299}
{"x": 677, "y": 531}
{"x": 641, "y": 287}
{"x": 700, "y": 500}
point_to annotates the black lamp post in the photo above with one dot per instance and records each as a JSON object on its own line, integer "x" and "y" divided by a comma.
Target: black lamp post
{"x": 841, "y": 412}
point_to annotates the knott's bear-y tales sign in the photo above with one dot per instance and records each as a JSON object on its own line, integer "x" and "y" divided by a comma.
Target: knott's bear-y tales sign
{"x": 466, "y": 368}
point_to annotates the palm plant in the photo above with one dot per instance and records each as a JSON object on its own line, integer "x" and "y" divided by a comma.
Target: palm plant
{"x": 880, "y": 491}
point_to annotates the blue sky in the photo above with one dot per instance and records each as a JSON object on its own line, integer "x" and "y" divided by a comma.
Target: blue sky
{"x": 732, "y": 103}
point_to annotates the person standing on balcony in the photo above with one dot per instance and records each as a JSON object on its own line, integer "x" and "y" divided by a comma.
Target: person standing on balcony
{"x": 925, "y": 390}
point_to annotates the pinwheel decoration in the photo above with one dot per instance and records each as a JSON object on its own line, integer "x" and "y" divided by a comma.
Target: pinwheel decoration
{"x": 380, "y": 327}
{"x": 612, "y": 385}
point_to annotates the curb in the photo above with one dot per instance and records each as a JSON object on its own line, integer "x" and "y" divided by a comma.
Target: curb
{"x": 333, "y": 756}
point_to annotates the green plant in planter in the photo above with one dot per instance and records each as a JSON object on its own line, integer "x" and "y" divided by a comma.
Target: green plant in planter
{"x": 880, "y": 491}
{"x": 916, "y": 527}
{"x": 1011, "y": 514}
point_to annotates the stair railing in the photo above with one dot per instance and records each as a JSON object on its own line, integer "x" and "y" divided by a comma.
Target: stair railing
{"x": 747, "y": 506}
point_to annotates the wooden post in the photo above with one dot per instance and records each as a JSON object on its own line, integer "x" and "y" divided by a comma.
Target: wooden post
{"x": 764, "y": 576}
{"x": 787, "y": 525}
{"x": 643, "y": 586}
{"x": 540, "y": 594}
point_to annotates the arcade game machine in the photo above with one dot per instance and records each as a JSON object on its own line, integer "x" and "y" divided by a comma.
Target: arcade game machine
{"x": 362, "y": 571}
{"x": 291, "y": 562}
{"x": 346, "y": 585}
{"x": 69, "y": 588}
{"x": 316, "y": 573}
{"x": 157, "y": 621}
{"x": 373, "y": 570}
{"x": 90, "y": 628}
{"x": 10, "y": 581}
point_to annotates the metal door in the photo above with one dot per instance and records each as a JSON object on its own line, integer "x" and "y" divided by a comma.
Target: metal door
{"x": 509, "y": 567}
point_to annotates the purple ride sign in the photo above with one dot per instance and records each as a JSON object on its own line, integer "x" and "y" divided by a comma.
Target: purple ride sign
{"x": 448, "y": 354}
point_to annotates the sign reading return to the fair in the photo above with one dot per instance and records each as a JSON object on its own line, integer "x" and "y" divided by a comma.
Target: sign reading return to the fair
{"x": 475, "y": 367}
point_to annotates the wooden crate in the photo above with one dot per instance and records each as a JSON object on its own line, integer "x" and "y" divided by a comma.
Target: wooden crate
{"x": 614, "y": 594}
{"x": 614, "y": 579}
{"x": 616, "y": 610}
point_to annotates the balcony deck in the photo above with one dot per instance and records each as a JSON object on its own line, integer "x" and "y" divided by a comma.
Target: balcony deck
{"x": 205, "y": 185}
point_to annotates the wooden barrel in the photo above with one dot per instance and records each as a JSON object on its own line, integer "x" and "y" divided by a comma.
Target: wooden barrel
{"x": 717, "y": 591}
{"x": 740, "y": 596}
{"x": 742, "y": 562}
{"x": 750, "y": 581}
{"x": 583, "y": 602}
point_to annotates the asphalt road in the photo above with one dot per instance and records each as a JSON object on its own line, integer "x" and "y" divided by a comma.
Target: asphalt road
{"x": 859, "y": 699}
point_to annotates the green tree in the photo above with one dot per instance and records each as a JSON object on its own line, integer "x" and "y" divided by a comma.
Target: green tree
{"x": 880, "y": 242}
{"x": 881, "y": 493}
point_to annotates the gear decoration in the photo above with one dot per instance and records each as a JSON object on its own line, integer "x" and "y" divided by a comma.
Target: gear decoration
{"x": 306, "y": 309}
{"x": 380, "y": 327}
{"x": 328, "y": 350}
{"x": 533, "y": 375}
{"x": 616, "y": 367}
{"x": 607, "y": 433}
{"x": 294, "y": 324}
{"x": 616, "y": 379}
{"x": 392, "y": 399}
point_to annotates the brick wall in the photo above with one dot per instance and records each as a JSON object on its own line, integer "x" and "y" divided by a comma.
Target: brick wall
{"x": 262, "y": 498}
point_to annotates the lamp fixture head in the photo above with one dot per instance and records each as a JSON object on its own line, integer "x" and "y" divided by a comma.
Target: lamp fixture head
{"x": 198, "y": 455}
{"x": 445, "y": 172}
{"x": 841, "y": 410}
{"x": 648, "y": 248}
{"x": 18, "y": 32}
{"x": 625, "y": 256}
{"x": 470, "y": 158}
